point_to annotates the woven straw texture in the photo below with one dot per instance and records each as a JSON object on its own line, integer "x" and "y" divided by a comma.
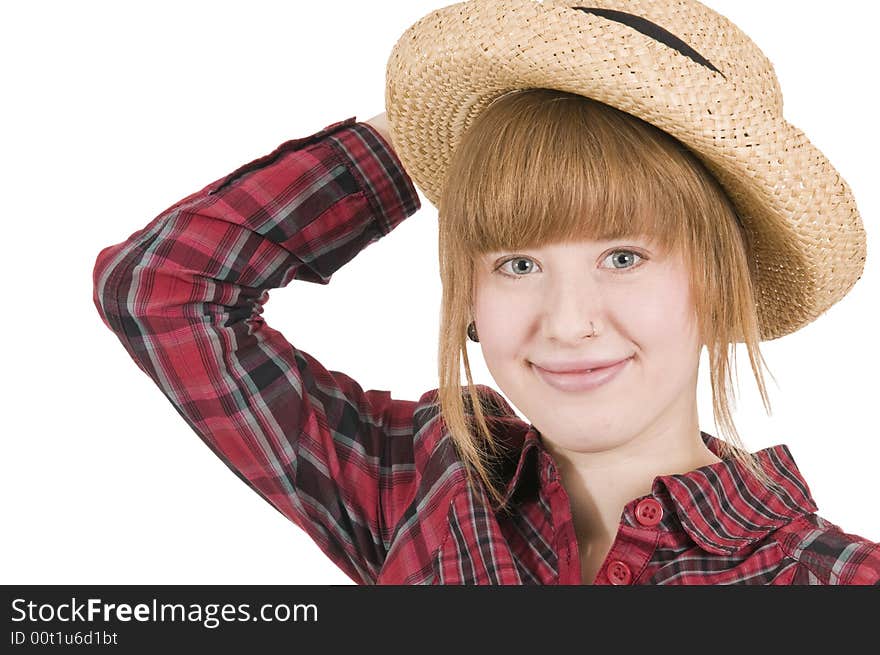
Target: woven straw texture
{"x": 804, "y": 228}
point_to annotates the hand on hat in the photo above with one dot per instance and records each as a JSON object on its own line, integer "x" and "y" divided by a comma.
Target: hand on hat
{"x": 380, "y": 123}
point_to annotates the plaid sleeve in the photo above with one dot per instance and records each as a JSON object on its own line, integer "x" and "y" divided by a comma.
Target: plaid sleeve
{"x": 185, "y": 296}
{"x": 863, "y": 567}
{"x": 828, "y": 555}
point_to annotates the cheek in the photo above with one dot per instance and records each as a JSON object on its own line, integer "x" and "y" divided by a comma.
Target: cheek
{"x": 501, "y": 326}
{"x": 664, "y": 319}
{"x": 502, "y": 321}
{"x": 663, "y": 308}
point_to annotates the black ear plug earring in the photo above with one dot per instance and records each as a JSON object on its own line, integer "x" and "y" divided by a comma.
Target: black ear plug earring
{"x": 472, "y": 332}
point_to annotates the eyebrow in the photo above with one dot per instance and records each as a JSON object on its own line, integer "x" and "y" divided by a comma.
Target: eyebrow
{"x": 654, "y": 31}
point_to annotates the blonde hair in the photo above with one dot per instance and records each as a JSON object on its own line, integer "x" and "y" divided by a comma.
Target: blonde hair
{"x": 528, "y": 171}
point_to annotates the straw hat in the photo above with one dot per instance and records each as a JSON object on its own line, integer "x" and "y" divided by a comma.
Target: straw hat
{"x": 674, "y": 63}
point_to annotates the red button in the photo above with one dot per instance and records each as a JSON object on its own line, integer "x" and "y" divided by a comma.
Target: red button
{"x": 649, "y": 512}
{"x": 619, "y": 573}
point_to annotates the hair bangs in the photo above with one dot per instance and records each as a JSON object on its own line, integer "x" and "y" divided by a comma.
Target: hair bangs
{"x": 561, "y": 170}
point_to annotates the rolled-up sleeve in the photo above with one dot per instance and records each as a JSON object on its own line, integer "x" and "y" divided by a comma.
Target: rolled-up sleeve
{"x": 185, "y": 295}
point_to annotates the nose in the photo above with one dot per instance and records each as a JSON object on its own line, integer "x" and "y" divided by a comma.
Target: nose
{"x": 570, "y": 305}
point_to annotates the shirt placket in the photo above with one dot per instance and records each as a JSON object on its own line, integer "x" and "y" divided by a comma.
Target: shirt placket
{"x": 564, "y": 540}
{"x": 630, "y": 551}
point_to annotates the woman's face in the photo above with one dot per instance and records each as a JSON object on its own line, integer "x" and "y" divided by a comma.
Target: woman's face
{"x": 534, "y": 307}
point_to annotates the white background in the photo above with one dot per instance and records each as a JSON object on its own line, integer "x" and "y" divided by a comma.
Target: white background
{"x": 114, "y": 111}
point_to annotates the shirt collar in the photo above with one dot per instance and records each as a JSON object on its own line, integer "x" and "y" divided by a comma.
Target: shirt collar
{"x": 722, "y": 506}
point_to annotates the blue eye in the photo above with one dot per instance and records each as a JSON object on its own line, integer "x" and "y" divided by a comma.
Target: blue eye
{"x": 618, "y": 260}
{"x": 622, "y": 260}
{"x": 518, "y": 269}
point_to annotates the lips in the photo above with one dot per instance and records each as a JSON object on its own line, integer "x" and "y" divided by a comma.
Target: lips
{"x": 579, "y": 366}
{"x": 582, "y": 380}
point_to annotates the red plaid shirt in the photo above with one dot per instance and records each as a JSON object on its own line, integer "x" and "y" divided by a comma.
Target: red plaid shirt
{"x": 376, "y": 481}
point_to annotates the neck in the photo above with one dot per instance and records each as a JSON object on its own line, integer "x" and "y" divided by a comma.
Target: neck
{"x": 600, "y": 484}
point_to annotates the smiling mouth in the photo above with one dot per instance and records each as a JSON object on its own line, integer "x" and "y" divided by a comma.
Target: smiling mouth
{"x": 561, "y": 370}
{"x": 579, "y": 381}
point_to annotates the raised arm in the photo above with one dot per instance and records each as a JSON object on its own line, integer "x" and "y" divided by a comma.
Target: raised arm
{"x": 185, "y": 295}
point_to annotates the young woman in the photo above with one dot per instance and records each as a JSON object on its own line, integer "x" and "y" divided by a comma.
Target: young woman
{"x": 591, "y": 252}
